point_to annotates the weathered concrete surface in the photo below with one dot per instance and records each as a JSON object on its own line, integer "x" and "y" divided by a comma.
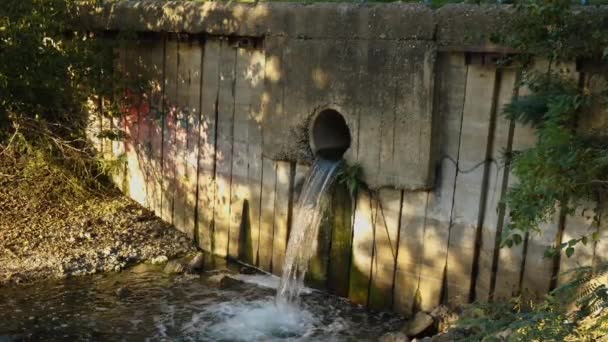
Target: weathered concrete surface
{"x": 373, "y": 63}
{"x": 383, "y": 86}
{"x": 463, "y": 27}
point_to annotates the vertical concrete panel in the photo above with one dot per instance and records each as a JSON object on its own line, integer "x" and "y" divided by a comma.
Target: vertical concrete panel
{"x": 190, "y": 56}
{"x": 274, "y": 82}
{"x": 600, "y": 256}
{"x": 132, "y": 115}
{"x": 169, "y": 131}
{"x": 144, "y": 63}
{"x": 114, "y": 149}
{"x": 93, "y": 130}
{"x": 206, "y": 153}
{"x": 281, "y": 213}
{"x": 536, "y": 281}
{"x": 383, "y": 100}
{"x": 597, "y": 121}
{"x": 254, "y": 154}
{"x": 266, "y": 238}
{"x": 341, "y": 241}
{"x": 450, "y": 100}
{"x": 223, "y": 169}
{"x": 239, "y": 189}
{"x": 363, "y": 248}
{"x": 469, "y": 186}
{"x": 387, "y": 129}
{"x": 385, "y": 248}
{"x": 410, "y": 251}
{"x": 182, "y": 117}
{"x": 577, "y": 225}
{"x": 413, "y": 114}
{"x": 500, "y": 143}
{"x": 151, "y": 135}
{"x": 318, "y": 266}
{"x": 510, "y": 260}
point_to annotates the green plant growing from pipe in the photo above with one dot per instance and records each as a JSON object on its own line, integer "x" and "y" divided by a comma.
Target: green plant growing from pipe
{"x": 351, "y": 176}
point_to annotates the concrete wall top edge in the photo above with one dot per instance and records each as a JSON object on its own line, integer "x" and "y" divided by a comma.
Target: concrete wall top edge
{"x": 454, "y": 26}
{"x": 319, "y": 20}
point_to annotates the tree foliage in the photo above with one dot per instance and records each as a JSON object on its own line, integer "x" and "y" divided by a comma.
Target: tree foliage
{"x": 575, "y": 311}
{"x": 565, "y": 168}
{"x": 51, "y": 74}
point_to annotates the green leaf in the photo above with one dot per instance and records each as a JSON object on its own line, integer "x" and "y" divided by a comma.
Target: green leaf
{"x": 584, "y": 240}
{"x": 569, "y": 251}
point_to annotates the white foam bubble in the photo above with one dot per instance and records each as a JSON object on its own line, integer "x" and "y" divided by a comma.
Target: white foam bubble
{"x": 259, "y": 320}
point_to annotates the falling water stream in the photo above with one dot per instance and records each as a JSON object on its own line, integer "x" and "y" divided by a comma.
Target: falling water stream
{"x": 302, "y": 239}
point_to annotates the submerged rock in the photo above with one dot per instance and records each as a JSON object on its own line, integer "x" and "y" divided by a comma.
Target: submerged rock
{"x": 197, "y": 262}
{"x": 216, "y": 278}
{"x": 123, "y": 292}
{"x": 224, "y": 280}
{"x": 421, "y": 322}
{"x": 174, "y": 267}
{"x": 248, "y": 270}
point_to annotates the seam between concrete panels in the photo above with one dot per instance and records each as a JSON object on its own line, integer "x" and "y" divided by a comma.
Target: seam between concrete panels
{"x": 292, "y": 176}
{"x": 373, "y": 219}
{"x": 561, "y": 226}
{"x": 397, "y": 249}
{"x": 444, "y": 286}
{"x": 274, "y": 212}
{"x": 503, "y": 190}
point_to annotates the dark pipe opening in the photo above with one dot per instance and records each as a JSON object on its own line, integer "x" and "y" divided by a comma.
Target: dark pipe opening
{"x": 330, "y": 136}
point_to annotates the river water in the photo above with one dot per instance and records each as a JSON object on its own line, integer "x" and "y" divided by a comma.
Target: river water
{"x": 161, "y": 307}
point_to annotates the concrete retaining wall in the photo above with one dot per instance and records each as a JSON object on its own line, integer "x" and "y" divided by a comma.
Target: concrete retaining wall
{"x": 219, "y": 147}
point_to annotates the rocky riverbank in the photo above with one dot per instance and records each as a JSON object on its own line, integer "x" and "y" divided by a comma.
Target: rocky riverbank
{"x": 51, "y": 227}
